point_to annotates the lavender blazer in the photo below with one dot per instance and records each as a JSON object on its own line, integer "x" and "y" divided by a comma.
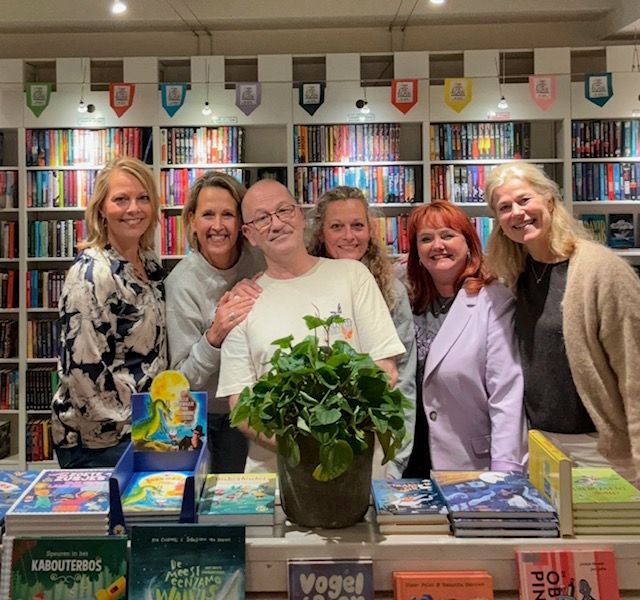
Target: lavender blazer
{"x": 473, "y": 386}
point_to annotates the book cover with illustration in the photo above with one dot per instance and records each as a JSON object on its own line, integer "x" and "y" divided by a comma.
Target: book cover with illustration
{"x": 12, "y": 485}
{"x": 80, "y": 567}
{"x": 442, "y": 585}
{"x": 155, "y": 492}
{"x": 621, "y": 231}
{"x": 567, "y": 575}
{"x": 170, "y": 417}
{"x": 596, "y": 225}
{"x": 603, "y": 488}
{"x": 415, "y": 500}
{"x": 329, "y": 578}
{"x": 65, "y": 492}
{"x": 198, "y": 562}
{"x": 550, "y": 472}
{"x": 238, "y": 498}
{"x": 506, "y": 494}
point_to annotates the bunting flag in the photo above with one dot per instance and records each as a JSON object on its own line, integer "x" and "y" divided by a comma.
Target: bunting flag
{"x": 598, "y": 88}
{"x": 173, "y": 96}
{"x": 248, "y": 96}
{"x": 121, "y": 97}
{"x": 311, "y": 96}
{"x": 404, "y": 94}
{"x": 458, "y": 93}
{"x": 38, "y": 96}
{"x": 543, "y": 90}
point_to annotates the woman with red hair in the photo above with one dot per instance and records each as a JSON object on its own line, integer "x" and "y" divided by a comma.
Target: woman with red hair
{"x": 469, "y": 370}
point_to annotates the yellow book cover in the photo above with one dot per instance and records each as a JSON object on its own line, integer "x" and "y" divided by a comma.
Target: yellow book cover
{"x": 550, "y": 472}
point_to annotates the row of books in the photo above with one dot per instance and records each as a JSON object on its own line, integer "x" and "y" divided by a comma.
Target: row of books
{"x": 41, "y": 383}
{"x": 39, "y": 446}
{"x": 8, "y": 189}
{"x": 172, "y": 238}
{"x": 346, "y": 143}
{"x": 59, "y": 189}
{"x": 73, "y": 147}
{"x": 382, "y": 185}
{"x": 9, "y": 289}
{"x": 392, "y": 233}
{"x": 55, "y": 238}
{"x": 43, "y": 338}
{"x": 44, "y": 288}
{"x": 471, "y": 141}
{"x": 8, "y": 338}
{"x": 175, "y": 183}
{"x": 615, "y": 230}
{"x": 459, "y": 183}
{"x": 605, "y": 181}
{"x": 201, "y": 145}
{"x": 605, "y": 139}
{"x": 9, "y": 239}
{"x": 9, "y": 386}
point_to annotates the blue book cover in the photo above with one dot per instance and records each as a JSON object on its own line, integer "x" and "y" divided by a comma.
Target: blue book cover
{"x": 187, "y": 561}
{"x": 413, "y": 500}
{"x": 327, "y": 579}
{"x": 507, "y": 494}
{"x": 12, "y": 485}
{"x": 621, "y": 231}
{"x": 155, "y": 492}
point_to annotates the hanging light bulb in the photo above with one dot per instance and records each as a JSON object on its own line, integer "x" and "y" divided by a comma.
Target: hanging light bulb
{"x": 206, "y": 110}
{"x": 118, "y": 7}
{"x": 503, "y": 104}
{"x": 365, "y": 110}
{"x": 82, "y": 107}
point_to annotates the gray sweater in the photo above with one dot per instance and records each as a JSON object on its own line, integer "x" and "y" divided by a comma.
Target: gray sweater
{"x": 194, "y": 289}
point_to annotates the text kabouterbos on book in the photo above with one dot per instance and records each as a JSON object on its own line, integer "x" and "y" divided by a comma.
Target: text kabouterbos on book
{"x": 328, "y": 579}
{"x": 567, "y": 574}
{"x": 442, "y": 585}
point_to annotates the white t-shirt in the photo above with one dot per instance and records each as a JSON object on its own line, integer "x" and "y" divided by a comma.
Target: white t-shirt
{"x": 345, "y": 287}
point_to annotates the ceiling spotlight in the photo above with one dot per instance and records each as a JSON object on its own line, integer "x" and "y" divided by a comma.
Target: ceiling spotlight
{"x": 118, "y": 7}
{"x": 363, "y": 106}
{"x": 503, "y": 104}
{"x": 82, "y": 107}
{"x": 437, "y": 1}
{"x": 206, "y": 110}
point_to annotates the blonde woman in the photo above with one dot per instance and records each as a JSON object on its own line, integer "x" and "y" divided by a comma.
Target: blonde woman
{"x": 112, "y": 318}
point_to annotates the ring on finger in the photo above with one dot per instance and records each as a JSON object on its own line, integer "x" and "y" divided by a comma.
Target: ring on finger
{"x": 232, "y": 316}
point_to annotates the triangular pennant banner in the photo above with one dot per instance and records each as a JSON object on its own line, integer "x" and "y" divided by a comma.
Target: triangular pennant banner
{"x": 543, "y": 90}
{"x": 248, "y": 96}
{"x": 404, "y": 94}
{"x": 121, "y": 97}
{"x": 458, "y": 93}
{"x": 38, "y": 96}
{"x": 598, "y": 88}
{"x": 311, "y": 96}
{"x": 173, "y": 96}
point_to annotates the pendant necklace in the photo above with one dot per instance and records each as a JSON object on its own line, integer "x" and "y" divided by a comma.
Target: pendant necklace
{"x": 443, "y": 307}
{"x": 535, "y": 275}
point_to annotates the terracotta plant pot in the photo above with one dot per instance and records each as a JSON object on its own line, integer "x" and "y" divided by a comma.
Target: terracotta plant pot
{"x": 341, "y": 502}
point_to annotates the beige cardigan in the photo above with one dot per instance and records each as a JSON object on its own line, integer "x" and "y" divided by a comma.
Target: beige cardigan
{"x": 601, "y": 327}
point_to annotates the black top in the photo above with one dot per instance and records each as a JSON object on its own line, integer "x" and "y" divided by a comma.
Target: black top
{"x": 551, "y": 400}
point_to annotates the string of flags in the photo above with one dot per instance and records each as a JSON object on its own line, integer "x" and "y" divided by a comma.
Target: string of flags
{"x": 458, "y": 94}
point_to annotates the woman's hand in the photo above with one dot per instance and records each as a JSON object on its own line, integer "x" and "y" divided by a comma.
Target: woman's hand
{"x": 248, "y": 287}
{"x": 232, "y": 309}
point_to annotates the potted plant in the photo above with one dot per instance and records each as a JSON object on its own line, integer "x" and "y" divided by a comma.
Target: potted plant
{"x": 325, "y": 404}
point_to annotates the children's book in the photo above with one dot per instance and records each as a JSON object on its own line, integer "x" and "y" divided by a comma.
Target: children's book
{"x": 238, "y": 499}
{"x": 170, "y": 417}
{"x": 603, "y": 488}
{"x": 480, "y": 494}
{"x": 329, "y": 578}
{"x": 505, "y": 523}
{"x": 567, "y": 575}
{"x": 12, "y": 485}
{"x": 442, "y": 585}
{"x": 621, "y": 231}
{"x": 412, "y": 528}
{"x": 505, "y": 532}
{"x": 155, "y": 492}
{"x": 78, "y": 567}
{"x": 402, "y": 500}
{"x": 608, "y": 530}
{"x": 550, "y": 472}
{"x": 198, "y": 562}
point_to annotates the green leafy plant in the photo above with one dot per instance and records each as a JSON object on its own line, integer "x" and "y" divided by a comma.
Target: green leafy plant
{"x": 330, "y": 393}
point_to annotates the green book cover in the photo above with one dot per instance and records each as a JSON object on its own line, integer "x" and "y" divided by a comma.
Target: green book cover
{"x": 180, "y": 562}
{"x": 64, "y": 568}
{"x": 602, "y": 487}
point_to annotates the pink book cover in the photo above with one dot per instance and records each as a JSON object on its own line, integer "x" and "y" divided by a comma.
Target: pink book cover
{"x": 568, "y": 575}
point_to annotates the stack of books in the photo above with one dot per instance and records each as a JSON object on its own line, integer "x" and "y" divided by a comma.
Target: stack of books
{"x": 12, "y": 485}
{"x": 409, "y": 506}
{"x": 246, "y": 499}
{"x": 62, "y": 503}
{"x": 604, "y": 503}
{"x": 495, "y": 504}
{"x": 154, "y": 496}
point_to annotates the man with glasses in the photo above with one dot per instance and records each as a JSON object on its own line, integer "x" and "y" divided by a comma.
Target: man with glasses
{"x": 296, "y": 284}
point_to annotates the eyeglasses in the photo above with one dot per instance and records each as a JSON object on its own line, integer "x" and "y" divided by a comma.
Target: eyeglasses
{"x": 263, "y": 222}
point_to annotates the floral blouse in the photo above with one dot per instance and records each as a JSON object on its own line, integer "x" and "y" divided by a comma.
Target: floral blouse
{"x": 112, "y": 344}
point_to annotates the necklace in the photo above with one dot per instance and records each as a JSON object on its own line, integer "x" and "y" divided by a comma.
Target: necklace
{"x": 535, "y": 275}
{"x": 443, "y": 306}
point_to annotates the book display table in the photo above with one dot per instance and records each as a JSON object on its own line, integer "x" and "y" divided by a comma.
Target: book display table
{"x": 267, "y": 557}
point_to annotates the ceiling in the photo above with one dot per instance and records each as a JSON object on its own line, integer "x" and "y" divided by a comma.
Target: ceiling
{"x": 602, "y": 21}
